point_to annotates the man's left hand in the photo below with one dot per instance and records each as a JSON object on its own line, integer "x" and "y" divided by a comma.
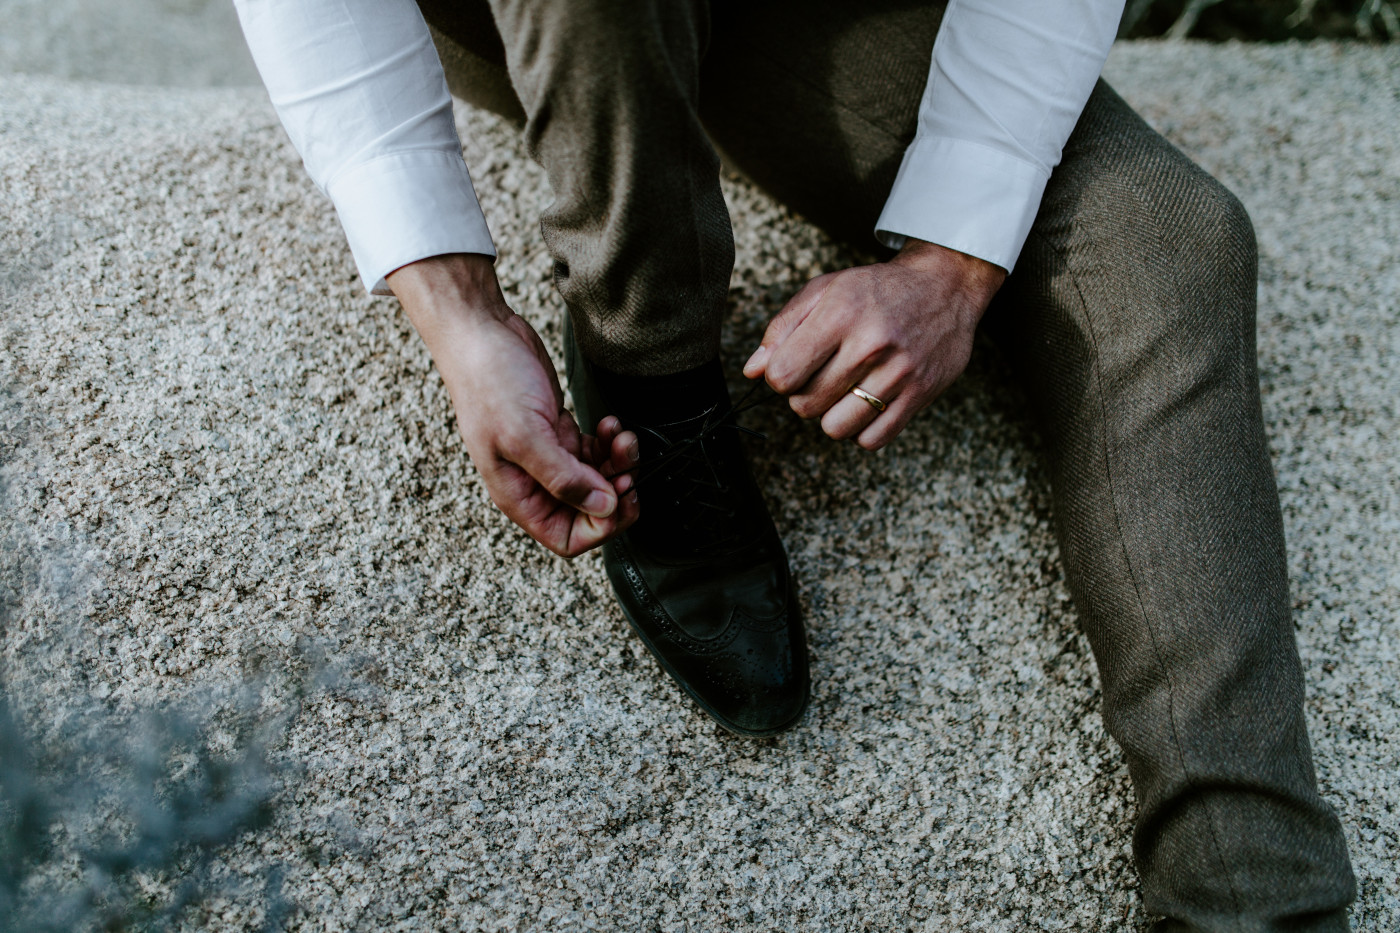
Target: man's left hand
{"x": 901, "y": 330}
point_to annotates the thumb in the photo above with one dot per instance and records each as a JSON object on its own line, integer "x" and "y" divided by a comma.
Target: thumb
{"x": 785, "y": 322}
{"x": 564, "y": 476}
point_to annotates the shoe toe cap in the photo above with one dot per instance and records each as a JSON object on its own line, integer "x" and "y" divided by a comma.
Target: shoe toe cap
{"x": 759, "y": 685}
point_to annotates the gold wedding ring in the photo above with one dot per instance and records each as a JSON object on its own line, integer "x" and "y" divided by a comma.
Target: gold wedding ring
{"x": 875, "y": 403}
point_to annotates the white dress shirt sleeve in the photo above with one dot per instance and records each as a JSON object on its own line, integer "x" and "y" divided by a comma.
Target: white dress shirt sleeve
{"x": 358, "y": 86}
{"x": 1007, "y": 84}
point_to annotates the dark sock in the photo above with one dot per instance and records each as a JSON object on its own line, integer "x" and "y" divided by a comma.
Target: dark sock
{"x": 664, "y": 399}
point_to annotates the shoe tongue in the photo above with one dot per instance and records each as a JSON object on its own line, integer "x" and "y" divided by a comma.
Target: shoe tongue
{"x": 688, "y": 484}
{"x": 653, "y": 401}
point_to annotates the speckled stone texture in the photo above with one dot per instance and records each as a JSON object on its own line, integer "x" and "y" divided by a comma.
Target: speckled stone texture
{"x": 222, "y": 459}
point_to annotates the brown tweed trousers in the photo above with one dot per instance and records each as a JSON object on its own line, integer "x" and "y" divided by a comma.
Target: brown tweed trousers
{"x": 1130, "y": 319}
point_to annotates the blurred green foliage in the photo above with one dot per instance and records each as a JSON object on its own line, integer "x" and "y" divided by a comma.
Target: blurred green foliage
{"x": 120, "y": 817}
{"x": 1267, "y": 20}
{"x": 116, "y": 823}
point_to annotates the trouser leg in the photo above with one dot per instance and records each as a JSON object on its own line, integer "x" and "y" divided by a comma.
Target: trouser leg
{"x": 815, "y": 103}
{"x": 1130, "y": 320}
{"x": 1132, "y": 323}
{"x": 473, "y": 55}
{"x": 638, "y": 228}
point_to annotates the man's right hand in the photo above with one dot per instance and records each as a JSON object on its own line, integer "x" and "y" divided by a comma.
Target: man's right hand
{"x": 567, "y": 489}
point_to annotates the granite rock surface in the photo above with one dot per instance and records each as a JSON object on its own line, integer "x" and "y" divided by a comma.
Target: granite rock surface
{"x": 222, "y": 461}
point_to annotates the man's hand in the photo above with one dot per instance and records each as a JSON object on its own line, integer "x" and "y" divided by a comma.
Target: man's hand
{"x": 902, "y": 330}
{"x": 565, "y": 488}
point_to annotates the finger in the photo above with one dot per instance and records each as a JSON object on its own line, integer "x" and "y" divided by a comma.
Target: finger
{"x": 561, "y": 473}
{"x": 614, "y": 450}
{"x": 569, "y": 436}
{"x": 597, "y": 448}
{"x": 849, "y": 416}
{"x": 887, "y": 426}
{"x": 522, "y": 499}
{"x": 587, "y": 532}
{"x": 821, "y": 336}
{"x": 828, "y": 385}
{"x": 806, "y": 350}
{"x": 590, "y": 449}
{"x": 607, "y": 429}
{"x": 625, "y": 454}
{"x": 629, "y": 509}
{"x": 798, "y": 307}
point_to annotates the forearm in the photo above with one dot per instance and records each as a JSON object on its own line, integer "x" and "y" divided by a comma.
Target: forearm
{"x": 441, "y": 290}
{"x": 447, "y": 298}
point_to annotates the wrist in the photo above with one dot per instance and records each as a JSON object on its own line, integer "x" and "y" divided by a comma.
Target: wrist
{"x": 449, "y": 299}
{"x": 449, "y": 291}
{"x": 977, "y": 279}
{"x": 924, "y": 256}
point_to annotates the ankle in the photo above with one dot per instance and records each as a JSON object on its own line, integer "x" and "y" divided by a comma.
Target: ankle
{"x": 665, "y": 398}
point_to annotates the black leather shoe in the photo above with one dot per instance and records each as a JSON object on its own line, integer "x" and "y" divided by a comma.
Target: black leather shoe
{"x": 702, "y": 576}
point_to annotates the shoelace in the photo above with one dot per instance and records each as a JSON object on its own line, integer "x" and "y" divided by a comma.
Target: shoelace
{"x": 689, "y": 460}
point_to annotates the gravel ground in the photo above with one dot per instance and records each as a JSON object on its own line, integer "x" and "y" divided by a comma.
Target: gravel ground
{"x": 222, "y": 460}
{"x": 181, "y": 43}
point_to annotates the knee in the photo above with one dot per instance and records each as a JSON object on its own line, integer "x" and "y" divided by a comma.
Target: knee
{"x": 1207, "y": 337}
{"x": 1164, "y": 264}
{"x": 1217, "y": 273}
{"x": 1199, "y": 246}
{"x": 1217, "y": 238}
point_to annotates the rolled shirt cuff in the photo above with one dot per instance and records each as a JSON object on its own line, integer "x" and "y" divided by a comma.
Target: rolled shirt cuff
{"x": 965, "y": 196}
{"x": 405, "y": 206}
